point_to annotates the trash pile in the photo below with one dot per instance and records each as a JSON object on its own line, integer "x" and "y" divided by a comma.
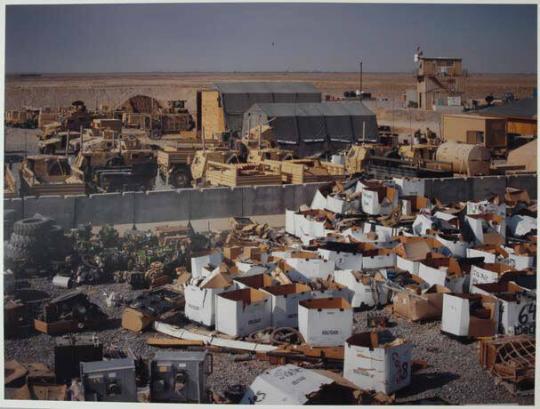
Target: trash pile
{"x": 371, "y": 244}
{"x": 288, "y": 296}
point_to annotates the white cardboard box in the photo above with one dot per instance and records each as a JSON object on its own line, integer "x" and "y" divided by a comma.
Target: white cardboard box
{"x": 457, "y": 318}
{"x": 197, "y": 263}
{"x": 325, "y": 322}
{"x": 284, "y": 385}
{"x": 380, "y": 366}
{"x": 488, "y": 273}
{"x": 308, "y": 269}
{"x": 241, "y": 312}
{"x": 342, "y": 260}
{"x": 367, "y": 290}
{"x": 285, "y": 299}
{"x": 201, "y": 300}
{"x": 517, "y": 307}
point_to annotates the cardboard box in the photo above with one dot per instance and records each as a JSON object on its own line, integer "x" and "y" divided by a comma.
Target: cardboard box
{"x": 306, "y": 266}
{"x": 285, "y": 299}
{"x": 325, "y": 322}
{"x": 330, "y": 289}
{"x": 378, "y": 258}
{"x": 410, "y": 186}
{"x": 455, "y": 245}
{"x": 521, "y": 225}
{"x": 377, "y": 361}
{"x": 491, "y": 253}
{"x": 513, "y": 196}
{"x": 445, "y": 272}
{"x": 379, "y": 200}
{"x": 255, "y": 281}
{"x": 427, "y": 305}
{"x": 487, "y": 228}
{"x": 470, "y": 315}
{"x": 368, "y": 290}
{"x": 204, "y": 260}
{"x": 487, "y": 206}
{"x": 517, "y": 307}
{"x": 292, "y": 385}
{"x": 488, "y": 273}
{"x": 343, "y": 260}
{"x": 241, "y": 312}
{"x": 201, "y": 299}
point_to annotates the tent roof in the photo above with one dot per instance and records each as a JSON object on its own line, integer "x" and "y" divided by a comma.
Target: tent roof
{"x": 258, "y": 87}
{"x": 523, "y": 108}
{"x": 353, "y": 108}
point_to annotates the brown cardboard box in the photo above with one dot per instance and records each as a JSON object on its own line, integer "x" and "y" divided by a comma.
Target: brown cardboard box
{"x": 427, "y": 306}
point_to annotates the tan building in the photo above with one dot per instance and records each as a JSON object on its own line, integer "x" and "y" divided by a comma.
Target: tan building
{"x": 521, "y": 116}
{"x": 475, "y": 129}
{"x": 439, "y": 81}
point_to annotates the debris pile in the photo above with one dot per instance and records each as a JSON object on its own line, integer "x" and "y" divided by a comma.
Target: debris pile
{"x": 288, "y": 297}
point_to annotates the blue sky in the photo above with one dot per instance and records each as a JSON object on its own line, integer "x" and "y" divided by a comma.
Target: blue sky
{"x": 266, "y": 37}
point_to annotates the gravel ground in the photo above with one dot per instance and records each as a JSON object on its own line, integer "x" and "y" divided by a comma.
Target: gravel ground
{"x": 454, "y": 373}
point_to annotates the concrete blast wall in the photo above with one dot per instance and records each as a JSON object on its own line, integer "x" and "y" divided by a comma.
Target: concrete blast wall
{"x": 194, "y": 204}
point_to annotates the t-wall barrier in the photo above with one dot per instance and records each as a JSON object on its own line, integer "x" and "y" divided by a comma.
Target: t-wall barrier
{"x": 219, "y": 202}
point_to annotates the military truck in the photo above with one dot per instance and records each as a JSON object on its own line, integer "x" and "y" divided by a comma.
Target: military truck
{"x": 50, "y": 175}
{"x": 202, "y": 159}
{"x": 117, "y": 165}
{"x": 174, "y": 160}
{"x": 142, "y": 112}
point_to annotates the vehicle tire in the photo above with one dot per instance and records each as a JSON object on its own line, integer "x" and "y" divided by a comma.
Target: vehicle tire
{"x": 181, "y": 179}
{"x": 15, "y": 253}
{"x": 31, "y": 226}
{"x": 10, "y": 214}
{"x": 24, "y": 241}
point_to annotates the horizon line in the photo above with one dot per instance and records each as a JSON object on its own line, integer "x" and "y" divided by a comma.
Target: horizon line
{"x": 30, "y": 73}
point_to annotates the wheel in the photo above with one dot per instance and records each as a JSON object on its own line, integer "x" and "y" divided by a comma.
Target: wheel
{"x": 24, "y": 241}
{"x": 16, "y": 253}
{"x": 181, "y": 179}
{"x": 31, "y": 226}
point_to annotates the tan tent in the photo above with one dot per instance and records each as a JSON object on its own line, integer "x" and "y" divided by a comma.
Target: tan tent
{"x": 524, "y": 155}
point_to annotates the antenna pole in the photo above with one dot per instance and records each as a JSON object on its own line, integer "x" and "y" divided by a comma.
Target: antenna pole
{"x": 361, "y": 72}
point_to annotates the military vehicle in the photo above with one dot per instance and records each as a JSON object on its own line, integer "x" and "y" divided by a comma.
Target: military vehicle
{"x": 117, "y": 165}
{"x": 174, "y": 160}
{"x": 57, "y": 142}
{"x": 202, "y": 159}
{"x": 50, "y": 175}
{"x": 146, "y": 113}
{"x": 25, "y": 118}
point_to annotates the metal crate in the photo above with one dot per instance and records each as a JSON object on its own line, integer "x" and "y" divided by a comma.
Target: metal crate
{"x": 180, "y": 376}
{"x": 109, "y": 381}
{"x": 70, "y": 351}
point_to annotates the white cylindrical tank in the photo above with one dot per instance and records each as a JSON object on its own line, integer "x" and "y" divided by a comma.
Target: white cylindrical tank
{"x": 472, "y": 160}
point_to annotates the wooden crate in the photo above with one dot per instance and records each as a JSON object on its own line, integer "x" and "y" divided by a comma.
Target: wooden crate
{"x": 300, "y": 171}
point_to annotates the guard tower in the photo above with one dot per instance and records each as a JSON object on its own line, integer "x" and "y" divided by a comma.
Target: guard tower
{"x": 439, "y": 81}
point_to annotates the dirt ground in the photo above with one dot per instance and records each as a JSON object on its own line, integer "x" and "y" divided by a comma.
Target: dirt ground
{"x": 112, "y": 90}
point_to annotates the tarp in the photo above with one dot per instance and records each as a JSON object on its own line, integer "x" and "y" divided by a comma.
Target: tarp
{"x": 314, "y": 127}
{"x": 238, "y": 97}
